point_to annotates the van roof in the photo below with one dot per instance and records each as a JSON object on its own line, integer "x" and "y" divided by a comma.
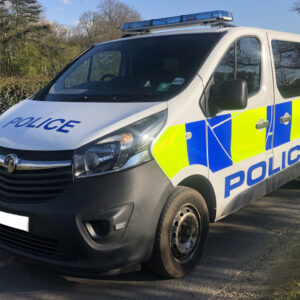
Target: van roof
{"x": 215, "y": 29}
{"x": 236, "y": 29}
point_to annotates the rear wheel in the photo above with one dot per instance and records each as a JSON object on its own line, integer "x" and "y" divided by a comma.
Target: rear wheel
{"x": 181, "y": 234}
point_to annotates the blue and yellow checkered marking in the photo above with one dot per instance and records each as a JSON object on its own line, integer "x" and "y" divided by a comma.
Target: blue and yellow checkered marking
{"x": 295, "y": 128}
{"x": 222, "y": 141}
{"x": 269, "y": 132}
{"x": 196, "y": 146}
{"x": 219, "y": 143}
{"x": 282, "y": 132}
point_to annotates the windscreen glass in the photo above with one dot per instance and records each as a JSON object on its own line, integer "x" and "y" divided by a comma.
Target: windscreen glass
{"x": 133, "y": 70}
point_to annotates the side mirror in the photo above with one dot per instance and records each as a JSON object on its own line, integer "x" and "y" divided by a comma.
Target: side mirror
{"x": 232, "y": 94}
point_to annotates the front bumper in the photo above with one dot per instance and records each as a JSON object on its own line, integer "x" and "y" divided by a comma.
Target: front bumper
{"x": 59, "y": 225}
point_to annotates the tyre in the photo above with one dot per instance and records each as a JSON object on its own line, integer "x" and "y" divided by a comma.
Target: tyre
{"x": 181, "y": 234}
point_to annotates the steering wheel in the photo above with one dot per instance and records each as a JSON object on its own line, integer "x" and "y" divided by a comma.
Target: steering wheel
{"x": 107, "y": 76}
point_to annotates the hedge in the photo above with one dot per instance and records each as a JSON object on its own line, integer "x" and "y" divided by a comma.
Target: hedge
{"x": 13, "y": 90}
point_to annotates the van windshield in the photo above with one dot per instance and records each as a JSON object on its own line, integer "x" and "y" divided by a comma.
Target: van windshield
{"x": 144, "y": 69}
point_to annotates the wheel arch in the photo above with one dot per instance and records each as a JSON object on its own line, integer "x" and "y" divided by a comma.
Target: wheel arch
{"x": 204, "y": 187}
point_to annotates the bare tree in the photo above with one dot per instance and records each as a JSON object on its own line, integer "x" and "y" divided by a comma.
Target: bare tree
{"x": 296, "y": 6}
{"x": 89, "y": 27}
{"x": 106, "y": 23}
{"x": 114, "y": 14}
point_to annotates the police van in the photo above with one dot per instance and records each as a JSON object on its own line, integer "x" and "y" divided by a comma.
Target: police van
{"x": 136, "y": 146}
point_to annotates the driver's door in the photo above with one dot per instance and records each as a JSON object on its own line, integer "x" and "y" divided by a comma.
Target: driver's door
{"x": 240, "y": 141}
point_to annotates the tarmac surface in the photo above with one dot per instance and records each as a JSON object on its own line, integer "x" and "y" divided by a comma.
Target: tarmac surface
{"x": 243, "y": 253}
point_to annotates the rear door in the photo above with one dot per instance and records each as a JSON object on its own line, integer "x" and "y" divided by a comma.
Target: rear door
{"x": 286, "y": 70}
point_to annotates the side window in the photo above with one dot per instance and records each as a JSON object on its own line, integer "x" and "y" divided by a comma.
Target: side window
{"x": 242, "y": 61}
{"x": 225, "y": 70}
{"x": 287, "y": 67}
{"x": 249, "y": 63}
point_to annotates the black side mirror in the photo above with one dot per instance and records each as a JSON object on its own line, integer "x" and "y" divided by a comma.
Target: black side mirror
{"x": 232, "y": 94}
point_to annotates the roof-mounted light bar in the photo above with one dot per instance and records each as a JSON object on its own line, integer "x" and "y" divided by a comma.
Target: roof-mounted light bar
{"x": 217, "y": 17}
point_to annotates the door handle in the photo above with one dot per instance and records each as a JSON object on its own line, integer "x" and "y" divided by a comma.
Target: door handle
{"x": 262, "y": 124}
{"x": 286, "y": 118}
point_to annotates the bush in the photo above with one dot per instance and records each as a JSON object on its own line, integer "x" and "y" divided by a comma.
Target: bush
{"x": 14, "y": 90}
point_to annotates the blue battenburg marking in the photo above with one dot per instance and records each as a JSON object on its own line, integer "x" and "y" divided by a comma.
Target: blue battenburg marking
{"x": 218, "y": 159}
{"x": 196, "y": 146}
{"x": 219, "y": 119}
{"x": 270, "y": 114}
{"x": 282, "y": 132}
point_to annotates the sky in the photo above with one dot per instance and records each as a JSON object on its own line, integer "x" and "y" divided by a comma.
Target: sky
{"x": 268, "y": 14}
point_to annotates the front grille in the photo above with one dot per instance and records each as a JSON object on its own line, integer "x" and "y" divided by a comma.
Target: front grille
{"x": 34, "y": 185}
{"x": 38, "y": 155}
{"x": 29, "y": 243}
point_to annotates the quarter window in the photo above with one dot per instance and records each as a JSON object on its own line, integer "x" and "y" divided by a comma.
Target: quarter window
{"x": 287, "y": 67}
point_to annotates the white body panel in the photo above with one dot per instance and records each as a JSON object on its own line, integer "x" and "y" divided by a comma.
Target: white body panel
{"x": 99, "y": 119}
{"x": 96, "y": 120}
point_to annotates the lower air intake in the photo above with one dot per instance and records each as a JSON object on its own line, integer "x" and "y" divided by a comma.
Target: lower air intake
{"x": 29, "y": 243}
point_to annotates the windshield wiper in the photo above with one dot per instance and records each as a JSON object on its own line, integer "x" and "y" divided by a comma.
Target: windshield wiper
{"x": 130, "y": 98}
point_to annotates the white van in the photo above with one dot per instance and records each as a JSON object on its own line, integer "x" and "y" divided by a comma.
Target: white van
{"x": 127, "y": 155}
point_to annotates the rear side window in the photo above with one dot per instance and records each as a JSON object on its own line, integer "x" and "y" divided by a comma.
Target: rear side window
{"x": 287, "y": 67}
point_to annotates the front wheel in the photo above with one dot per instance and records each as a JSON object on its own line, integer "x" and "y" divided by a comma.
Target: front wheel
{"x": 181, "y": 234}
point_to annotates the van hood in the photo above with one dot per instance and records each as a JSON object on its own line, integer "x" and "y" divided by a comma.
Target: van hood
{"x": 50, "y": 126}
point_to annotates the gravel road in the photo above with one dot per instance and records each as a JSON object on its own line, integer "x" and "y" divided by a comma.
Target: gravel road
{"x": 244, "y": 252}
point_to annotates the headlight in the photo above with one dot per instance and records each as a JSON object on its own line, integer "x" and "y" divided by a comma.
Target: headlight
{"x": 123, "y": 149}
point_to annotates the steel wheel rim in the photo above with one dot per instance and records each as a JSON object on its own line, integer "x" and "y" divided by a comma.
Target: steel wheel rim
{"x": 185, "y": 233}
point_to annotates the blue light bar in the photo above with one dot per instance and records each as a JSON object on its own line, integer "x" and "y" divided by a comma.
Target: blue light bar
{"x": 205, "y": 18}
{"x": 166, "y": 21}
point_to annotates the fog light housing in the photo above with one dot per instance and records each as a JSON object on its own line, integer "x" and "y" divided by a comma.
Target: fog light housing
{"x": 109, "y": 226}
{"x": 99, "y": 228}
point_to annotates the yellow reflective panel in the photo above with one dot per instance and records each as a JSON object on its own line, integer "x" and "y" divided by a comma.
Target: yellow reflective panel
{"x": 295, "y": 130}
{"x": 170, "y": 151}
{"x": 246, "y": 140}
